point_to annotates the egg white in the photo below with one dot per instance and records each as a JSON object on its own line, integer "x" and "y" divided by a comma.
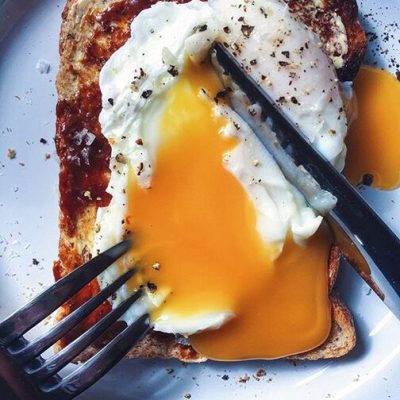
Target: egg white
{"x": 289, "y": 65}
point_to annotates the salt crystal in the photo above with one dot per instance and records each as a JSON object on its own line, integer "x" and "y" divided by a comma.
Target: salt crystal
{"x": 43, "y": 67}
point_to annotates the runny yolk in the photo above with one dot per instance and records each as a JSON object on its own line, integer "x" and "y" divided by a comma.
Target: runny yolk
{"x": 197, "y": 224}
{"x": 373, "y": 140}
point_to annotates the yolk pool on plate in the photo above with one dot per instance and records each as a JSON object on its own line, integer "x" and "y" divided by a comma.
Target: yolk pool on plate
{"x": 198, "y": 223}
{"x": 373, "y": 140}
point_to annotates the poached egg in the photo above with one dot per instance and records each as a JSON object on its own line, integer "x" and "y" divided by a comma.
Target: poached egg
{"x": 231, "y": 255}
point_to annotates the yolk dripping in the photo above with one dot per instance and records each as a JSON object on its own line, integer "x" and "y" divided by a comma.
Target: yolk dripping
{"x": 198, "y": 223}
{"x": 373, "y": 140}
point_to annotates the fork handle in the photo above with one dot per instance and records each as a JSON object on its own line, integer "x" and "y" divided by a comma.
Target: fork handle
{"x": 13, "y": 386}
{"x": 6, "y": 391}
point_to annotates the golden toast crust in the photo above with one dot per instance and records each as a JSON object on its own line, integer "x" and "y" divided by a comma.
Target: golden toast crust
{"x": 330, "y": 19}
{"x": 91, "y": 31}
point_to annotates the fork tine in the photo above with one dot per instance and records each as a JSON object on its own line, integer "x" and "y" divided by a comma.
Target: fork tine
{"x": 99, "y": 364}
{"x": 52, "y": 298}
{"x": 44, "y": 341}
{"x": 54, "y": 363}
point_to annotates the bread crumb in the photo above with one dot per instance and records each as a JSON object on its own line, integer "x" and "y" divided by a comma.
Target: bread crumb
{"x": 261, "y": 372}
{"x": 11, "y": 154}
{"x": 244, "y": 379}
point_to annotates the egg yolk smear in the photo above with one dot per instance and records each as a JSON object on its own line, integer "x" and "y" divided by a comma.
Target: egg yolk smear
{"x": 373, "y": 140}
{"x": 197, "y": 222}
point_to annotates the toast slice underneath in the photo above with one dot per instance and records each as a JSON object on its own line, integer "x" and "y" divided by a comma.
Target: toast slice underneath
{"x": 91, "y": 31}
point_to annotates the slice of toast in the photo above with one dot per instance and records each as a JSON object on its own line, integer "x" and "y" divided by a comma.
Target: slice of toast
{"x": 91, "y": 31}
{"x": 337, "y": 24}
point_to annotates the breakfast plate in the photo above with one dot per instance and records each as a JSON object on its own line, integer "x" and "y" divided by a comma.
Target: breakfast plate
{"x": 29, "y": 234}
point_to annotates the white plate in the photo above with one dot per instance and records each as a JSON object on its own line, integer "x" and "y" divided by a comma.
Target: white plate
{"x": 28, "y": 229}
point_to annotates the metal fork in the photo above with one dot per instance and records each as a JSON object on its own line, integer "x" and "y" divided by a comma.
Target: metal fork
{"x": 32, "y": 377}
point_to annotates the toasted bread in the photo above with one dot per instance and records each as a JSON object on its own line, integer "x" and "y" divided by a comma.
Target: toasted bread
{"x": 91, "y": 31}
{"x": 337, "y": 24}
